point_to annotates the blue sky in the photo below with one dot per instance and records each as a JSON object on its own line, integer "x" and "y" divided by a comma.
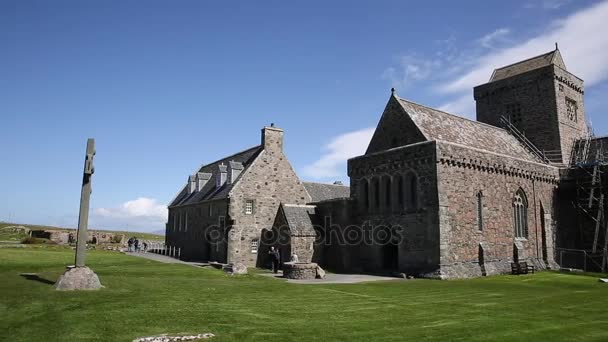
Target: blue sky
{"x": 164, "y": 86}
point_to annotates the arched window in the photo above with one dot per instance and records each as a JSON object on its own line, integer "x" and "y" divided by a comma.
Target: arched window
{"x": 387, "y": 192}
{"x": 480, "y": 210}
{"x": 411, "y": 199}
{"x": 399, "y": 186}
{"x": 520, "y": 213}
{"x": 364, "y": 194}
{"x": 376, "y": 190}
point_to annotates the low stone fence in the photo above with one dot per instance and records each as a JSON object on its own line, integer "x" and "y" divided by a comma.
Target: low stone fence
{"x": 297, "y": 270}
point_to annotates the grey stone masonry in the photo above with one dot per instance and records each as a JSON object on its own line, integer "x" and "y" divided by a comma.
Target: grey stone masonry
{"x": 543, "y": 100}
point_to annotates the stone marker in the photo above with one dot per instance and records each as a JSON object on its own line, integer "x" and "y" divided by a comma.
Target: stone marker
{"x": 81, "y": 277}
{"x": 320, "y": 273}
{"x": 238, "y": 268}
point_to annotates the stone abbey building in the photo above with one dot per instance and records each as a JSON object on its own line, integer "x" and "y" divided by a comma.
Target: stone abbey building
{"x": 434, "y": 195}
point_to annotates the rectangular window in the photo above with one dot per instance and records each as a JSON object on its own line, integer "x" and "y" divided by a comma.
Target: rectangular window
{"x": 174, "y": 222}
{"x": 513, "y": 114}
{"x": 249, "y": 207}
{"x": 254, "y": 245}
{"x": 571, "y": 110}
{"x": 186, "y": 223}
{"x": 210, "y": 209}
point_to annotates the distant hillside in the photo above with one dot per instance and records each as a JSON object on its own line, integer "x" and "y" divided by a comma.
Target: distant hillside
{"x": 159, "y": 232}
{"x": 146, "y": 236}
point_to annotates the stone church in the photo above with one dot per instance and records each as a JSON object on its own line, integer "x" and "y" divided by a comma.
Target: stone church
{"x": 435, "y": 195}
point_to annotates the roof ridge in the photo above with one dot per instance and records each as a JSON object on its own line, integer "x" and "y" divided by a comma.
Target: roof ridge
{"x": 299, "y": 205}
{"x": 526, "y": 60}
{"x": 231, "y": 155}
{"x": 455, "y": 115}
{"x": 326, "y": 184}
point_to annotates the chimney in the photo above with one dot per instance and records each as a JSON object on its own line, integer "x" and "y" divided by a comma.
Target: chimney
{"x": 202, "y": 179}
{"x": 221, "y": 176}
{"x": 234, "y": 170}
{"x": 191, "y": 184}
{"x": 272, "y": 139}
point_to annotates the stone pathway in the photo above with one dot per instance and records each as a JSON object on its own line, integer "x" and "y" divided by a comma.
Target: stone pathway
{"x": 163, "y": 258}
{"x": 332, "y": 278}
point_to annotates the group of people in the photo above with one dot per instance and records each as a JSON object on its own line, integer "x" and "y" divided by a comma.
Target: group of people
{"x": 136, "y": 246}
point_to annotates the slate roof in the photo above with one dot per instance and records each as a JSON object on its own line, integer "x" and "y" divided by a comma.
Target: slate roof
{"x": 323, "y": 192}
{"x": 553, "y": 57}
{"x": 438, "y": 125}
{"x": 210, "y": 191}
{"x": 300, "y": 219}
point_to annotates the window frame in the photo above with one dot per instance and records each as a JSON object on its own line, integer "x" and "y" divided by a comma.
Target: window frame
{"x": 249, "y": 207}
{"x": 479, "y": 202}
{"x": 255, "y": 245}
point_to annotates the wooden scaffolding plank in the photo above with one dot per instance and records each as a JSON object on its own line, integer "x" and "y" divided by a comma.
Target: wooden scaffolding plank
{"x": 605, "y": 256}
{"x": 600, "y": 211}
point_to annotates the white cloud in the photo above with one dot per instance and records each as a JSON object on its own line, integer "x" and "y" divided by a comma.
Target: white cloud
{"x": 411, "y": 69}
{"x": 547, "y": 4}
{"x": 489, "y": 40}
{"x": 584, "y": 49}
{"x": 140, "y": 214}
{"x": 582, "y": 43}
{"x": 333, "y": 162}
{"x": 462, "y": 106}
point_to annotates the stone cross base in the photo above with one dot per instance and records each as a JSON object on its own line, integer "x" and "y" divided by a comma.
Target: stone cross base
{"x": 78, "y": 278}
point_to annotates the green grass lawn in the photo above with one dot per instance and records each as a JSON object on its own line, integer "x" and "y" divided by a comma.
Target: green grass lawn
{"x": 144, "y": 298}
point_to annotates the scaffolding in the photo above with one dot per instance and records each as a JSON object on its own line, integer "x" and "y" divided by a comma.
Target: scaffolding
{"x": 588, "y": 168}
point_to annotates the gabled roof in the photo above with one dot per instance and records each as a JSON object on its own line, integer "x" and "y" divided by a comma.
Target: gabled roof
{"x": 439, "y": 125}
{"x": 322, "y": 192}
{"x": 546, "y": 59}
{"x": 210, "y": 191}
{"x": 300, "y": 219}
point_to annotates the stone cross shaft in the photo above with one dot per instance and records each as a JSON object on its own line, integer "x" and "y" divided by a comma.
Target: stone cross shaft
{"x": 85, "y": 195}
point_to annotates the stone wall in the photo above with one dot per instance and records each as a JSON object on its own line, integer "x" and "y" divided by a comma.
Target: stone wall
{"x": 301, "y": 271}
{"x": 412, "y": 226}
{"x": 269, "y": 181}
{"x": 467, "y": 250}
{"x": 390, "y": 131}
{"x": 201, "y": 238}
{"x": 541, "y": 98}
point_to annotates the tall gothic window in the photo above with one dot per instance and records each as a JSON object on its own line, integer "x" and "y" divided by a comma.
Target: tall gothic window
{"x": 400, "y": 197}
{"x": 387, "y": 192}
{"x": 480, "y": 211}
{"x": 364, "y": 194}
{"x": 520, "y": 212}
{"x": 376, "y": 187}
{"x": 411, "y": 199}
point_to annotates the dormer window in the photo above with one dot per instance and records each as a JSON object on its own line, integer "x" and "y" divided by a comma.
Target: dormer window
{"x": 221, "y": 175}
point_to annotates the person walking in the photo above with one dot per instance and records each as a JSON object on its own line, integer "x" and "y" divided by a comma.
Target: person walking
{"x": 130, "y": 244}
{"x": 136, "y": 245}
{"x": 145, "y": 246}
{"x": 275, "y": 258}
